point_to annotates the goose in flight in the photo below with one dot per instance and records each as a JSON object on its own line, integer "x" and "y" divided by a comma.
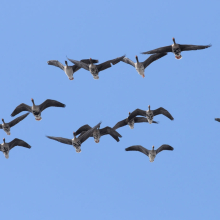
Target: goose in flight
{"x": 97, "y": 133}
{"x": 37, "y": 109}
{"x": 69, "y": 70}
{"x": 131, "y": 122}
{"x": 150, "y": 113}
{"x": 6, "y": 147}
{"x": 176, "y": 49}
{"x": 76, "y": 142}
{"x": 150, "y": 153}
{"x": 95, "y": 69}
{"x": 6, "y": 126}
{"x": 140, "y": 66}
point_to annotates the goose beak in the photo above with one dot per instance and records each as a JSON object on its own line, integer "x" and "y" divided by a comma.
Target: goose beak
{"x": 143, "y": 76}
{"x": 97, "y": 141}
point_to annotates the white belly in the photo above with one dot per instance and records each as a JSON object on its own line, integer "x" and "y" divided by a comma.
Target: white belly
{"x": 152, "y": 156}
{"x": 69, "y": 72}
{"x": 140, "y": 69}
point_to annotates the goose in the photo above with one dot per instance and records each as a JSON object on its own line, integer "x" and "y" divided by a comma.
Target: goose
{"x": 150, "y": 153}
{"x": 95, "y": 69}
{"x": 69, "y": 70}
{"x": 6, "y": 126}
{"x": 150, "y": 113}
{"x": 140, "y": 66}
{"x": 97, "y": 133}
{"x": 177, "y": 48}
{"x": 37, "y": 109}
{"x": 6, "y": 147}
{"x": 131, "y": 122}
{"x": 76, "y": 142}
{"x": 217, "y": 119}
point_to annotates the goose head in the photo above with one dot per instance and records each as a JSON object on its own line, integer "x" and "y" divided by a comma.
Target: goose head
{"x": 90, "y": 60}
{"x": 3, "y": 121}
{"x": 129, "y": 113}
{"x": 174, "y": 41}
{"x": 33, "y": 102}
{"x": 4, "y": 140}
{"x": 66, "y": 63}
{"x": 137, "y": 58}
{"x": 153, "y": 147}
{"x": 74, "y": 135}
{"x": 149, "y": 107}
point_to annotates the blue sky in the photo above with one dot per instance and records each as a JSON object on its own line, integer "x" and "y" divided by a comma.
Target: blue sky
{"x": 52, "y": 181}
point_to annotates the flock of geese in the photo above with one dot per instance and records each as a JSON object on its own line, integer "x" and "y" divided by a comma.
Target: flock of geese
{"x": 86, "y": 131}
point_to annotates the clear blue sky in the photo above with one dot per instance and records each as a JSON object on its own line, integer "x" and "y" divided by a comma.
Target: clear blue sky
{"x": 52, "y": 181}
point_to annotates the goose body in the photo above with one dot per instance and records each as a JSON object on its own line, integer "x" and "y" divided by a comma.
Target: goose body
{"x": 7, "y": 126}
{"x": 37, "y": 109}
{"x": 149, "y": 114}
{"x": 98, "y": 133}
{"x": 95, "y": 69}
{"x": 76, "y": 142}
{"x": 141, "y": 66}
{"x": 150, "y": 153}
{"x": 6, "y": 147}
{"x": 177, "y": 49}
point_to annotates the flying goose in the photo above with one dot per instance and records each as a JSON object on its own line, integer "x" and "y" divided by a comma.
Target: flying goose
{"x": 69, "y": 70}
{"x": 6, "y": 126}
{"x": 37, "y": 109}
{"x": 217, "y": 119}
{"x": 176, "y": 49}
{"x": 150, "y": 153}
{"x": 6, "y": 147}
{"x": 76, "y": 142}
{"x": 95, "y": 69}
{"x": 150, "y": 113}
{"x": 140, "y": 66}
{"x": 131, "y": 122}
{"x": 97, "y": 133}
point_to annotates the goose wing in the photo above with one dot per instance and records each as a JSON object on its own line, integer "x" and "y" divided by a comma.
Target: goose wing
{"x": 20, "y": 108}
{"x": 142, "y": 119}
{"x": 62, "y": 140}
{"x": 0, "y": 126}
{"x": 87, "y": 61}
{"x": 117, "y": 60}
{"x": 138, "y": 148}
{"x": 87, "y": 134}
{"x": 80, "y": 64}
{"x": 18, "y": 142}
{"x": 82, "y": 128}
{"x": 56, "y": 63}
{"x": 164, "y": 112}
{"x": 104, "y": 65}
{"x": 50, "y": 103}
{"x": 186, "y": 47}
{"x": 121, "y": 124}
{"x": 217, "y": 119}
{"x": 136, "y": 112}
{"x": 110, "y": 131}
{"x": 16, "y": 120}
{"x": 159, "y": 50}
{"x": 153, "y": 58}
{"x": 128, "y": 61}
{"x": 164, "y": 147}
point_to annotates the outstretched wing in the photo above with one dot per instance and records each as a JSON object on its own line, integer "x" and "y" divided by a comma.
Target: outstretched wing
{"x": 138, "y": 148}
{"x": 159, "y": 50}
{"x": 110, "y": 131}
{"x": 128, "y": 61}
{"x": 16, "y": 120}
{"x": 82, "y": 128}
{"x": 142, "y": 119}
{"x": 87, "y": 61}
{"x": 62, "y": 140}
{"x": 121, "y": 124}
{"x": 50, "y": 103}
{"x": 117, "y": 60}
{"x": 186, "y": 47}
{"x": 87, "y": 134}
{"x": 20, "y": 108}
{"x": 56, "y": 63}
{"x": 164, "y": 147}
{"x": 217, "y": 119}
{"x": 104, "y": 65}
{"x": 79, "y": 64}
{"x": 18, "y": 142}
{"x": 164, "y": 112}
{"x": 153, "y": 58}
{"x": 136, "y": 112}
